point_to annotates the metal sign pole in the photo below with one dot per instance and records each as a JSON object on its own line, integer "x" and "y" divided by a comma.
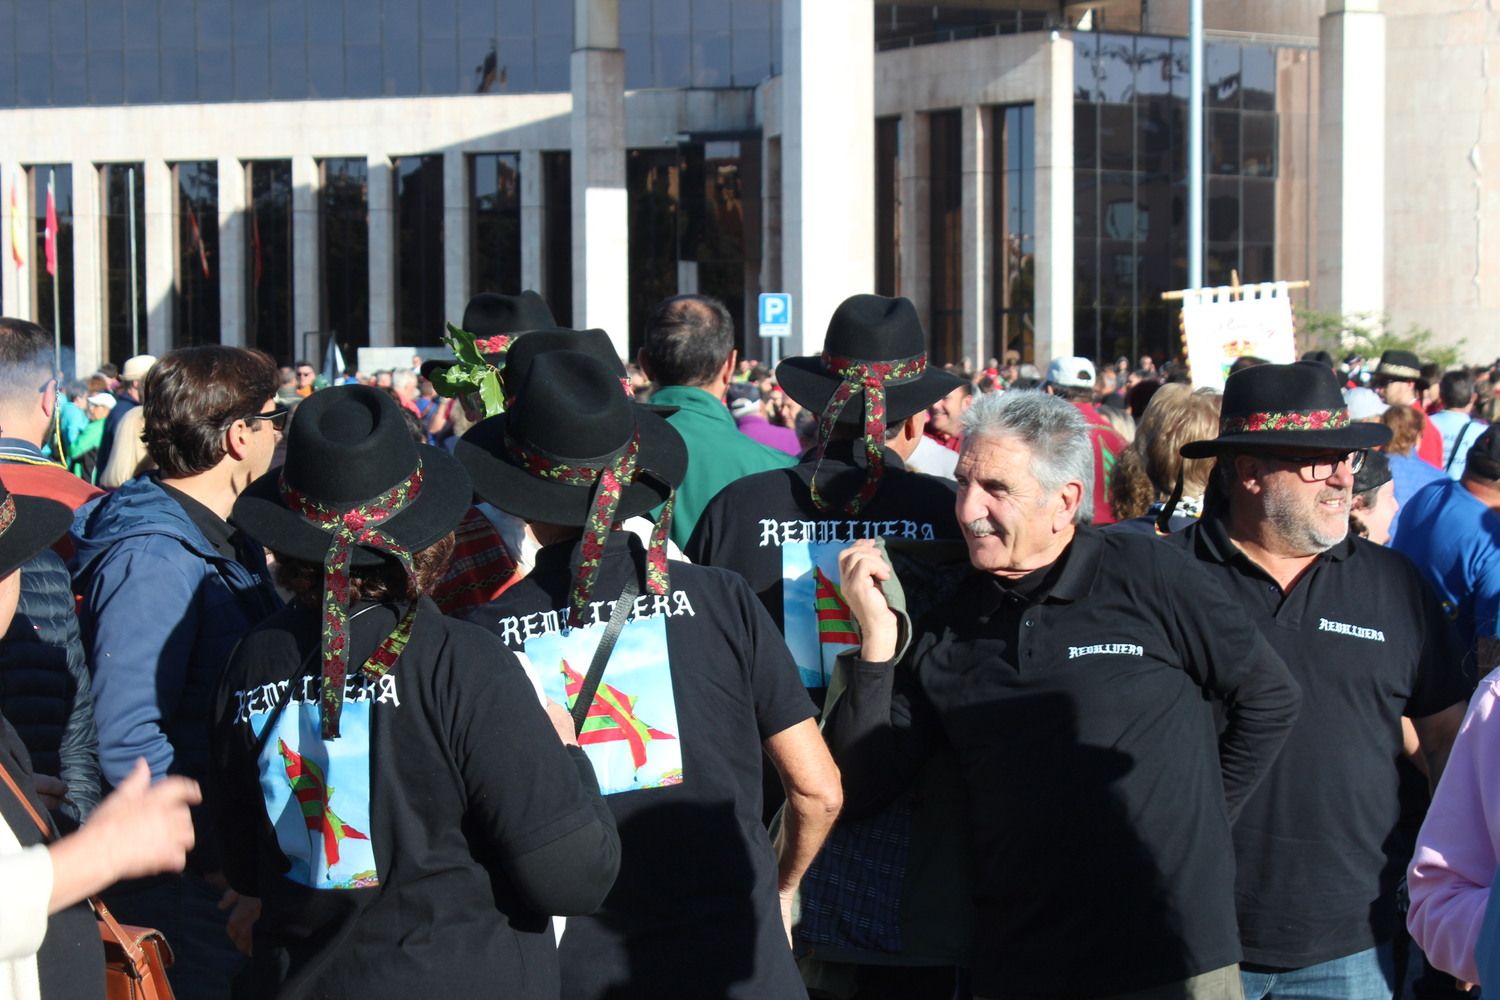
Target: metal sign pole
{"x": 135, "y": 318}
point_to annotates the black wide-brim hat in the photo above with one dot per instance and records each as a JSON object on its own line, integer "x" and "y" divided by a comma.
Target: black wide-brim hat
{"x": 594, "y": 343}
{"x": 1286, "y": 406}
{"x": 868, "y": 328}
{"x": 348, "y": 445}
{"x": 489, "y": 314}
{"x": 570, "y": 409}
{"x": 27, "y": 526}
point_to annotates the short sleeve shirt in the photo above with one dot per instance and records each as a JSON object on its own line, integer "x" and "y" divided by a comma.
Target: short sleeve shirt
{"x": 1318, "y": 862}
{"x": 698, "y": 679}
{"x": 1455, "y": 540}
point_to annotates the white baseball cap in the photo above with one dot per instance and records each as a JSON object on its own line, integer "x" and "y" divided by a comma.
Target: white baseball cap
{"x": 1074, "y": 373}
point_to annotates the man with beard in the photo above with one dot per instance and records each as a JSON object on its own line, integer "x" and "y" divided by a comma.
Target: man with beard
{"x": 1069, "y": 675}
{"x": 1317, "y": 846}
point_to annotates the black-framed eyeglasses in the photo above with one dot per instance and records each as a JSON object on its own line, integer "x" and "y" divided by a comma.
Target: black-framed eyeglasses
{"x": 277, "y": 417}
{"x": 1317, "y": 468}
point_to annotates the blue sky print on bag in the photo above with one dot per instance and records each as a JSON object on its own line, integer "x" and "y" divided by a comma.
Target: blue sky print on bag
{"x": 816, "y": 619}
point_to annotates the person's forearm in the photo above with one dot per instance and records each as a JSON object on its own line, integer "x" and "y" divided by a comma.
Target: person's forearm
{"x": 81, "y": 867}
{"x": 804, "y": 826}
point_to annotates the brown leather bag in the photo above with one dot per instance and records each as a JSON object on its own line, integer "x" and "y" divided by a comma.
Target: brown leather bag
{"x": 136, "y": 959}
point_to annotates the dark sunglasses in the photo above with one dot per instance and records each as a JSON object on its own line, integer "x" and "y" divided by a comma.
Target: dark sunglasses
{"x": 277, "y": 417}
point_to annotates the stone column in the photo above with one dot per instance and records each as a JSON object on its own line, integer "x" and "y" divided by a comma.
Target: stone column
{"x": 916, "y": 213}
{"x": 1054, "y": 205}
{"x": 455, "y": 234}
{"x": 1350, "y": 268}
{"x": 601, "y": 289}
{"x": 533, "y": 221}
{"x": 88, "y": 270}
{"x": 978, "y": 240}
{"x": 382, "y": 253}
{"x": 307, "y": 254}
{"x": 828, "y": 153}
{"x": 161, "y": 255}
{"x": 14, "y": 281}
{"x": 233, "y": 224}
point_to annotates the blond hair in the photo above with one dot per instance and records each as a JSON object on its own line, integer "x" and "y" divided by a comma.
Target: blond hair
{"x": 1149, "y": 468}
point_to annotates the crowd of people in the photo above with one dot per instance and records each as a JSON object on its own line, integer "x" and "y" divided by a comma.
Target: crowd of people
{"x": 862, "y": 677}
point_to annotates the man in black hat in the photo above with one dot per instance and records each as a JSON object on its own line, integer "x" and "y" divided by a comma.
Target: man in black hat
{"x": 692, "y": 684}
{"x": 1395, "y": 380}
{"x": 496, "y": 321}
{"x": 1068, "y": 674}
{"x": 1317, "y": 851}
{"x": 689, "y": 354}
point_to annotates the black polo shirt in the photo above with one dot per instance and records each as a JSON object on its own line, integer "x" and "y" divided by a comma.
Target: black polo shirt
{"x": 1318, "y": 855}
{"x": 767, "y": 528}
{"x": 1101, "y": 795}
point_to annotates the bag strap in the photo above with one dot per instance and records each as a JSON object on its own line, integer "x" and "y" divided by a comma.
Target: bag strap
{"x": 132, "y": 950}
{"x": 1458, "y": 442}
{"x": 585, "y": 699}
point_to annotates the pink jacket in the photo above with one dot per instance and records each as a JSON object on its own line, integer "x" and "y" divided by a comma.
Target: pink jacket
{"x": 1459, "y": 846}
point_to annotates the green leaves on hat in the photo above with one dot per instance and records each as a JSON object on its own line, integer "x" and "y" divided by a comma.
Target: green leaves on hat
{"x": 471, "y": 375}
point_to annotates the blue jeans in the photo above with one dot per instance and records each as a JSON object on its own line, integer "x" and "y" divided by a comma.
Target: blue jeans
{"x": 1365, "y": 975}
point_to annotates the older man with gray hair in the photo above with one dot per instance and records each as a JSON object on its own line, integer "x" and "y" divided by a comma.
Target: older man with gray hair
{"x": 1071, "y": 677}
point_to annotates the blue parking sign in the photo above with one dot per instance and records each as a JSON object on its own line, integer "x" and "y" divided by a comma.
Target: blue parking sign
{"x": 775, "y": 314}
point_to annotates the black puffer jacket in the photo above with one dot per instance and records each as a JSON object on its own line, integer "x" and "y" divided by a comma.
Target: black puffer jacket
{"x": 44, "y": 684}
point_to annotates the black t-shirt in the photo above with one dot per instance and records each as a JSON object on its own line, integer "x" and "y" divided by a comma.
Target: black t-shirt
{"x": 421, "y": 852}
{"x": 766, "y": 528}
{"x": 1101, "y": 794}
{"x": 698, "y": 680}
{"x": 1318, "y": 853}
{"x": 70, "y": 961}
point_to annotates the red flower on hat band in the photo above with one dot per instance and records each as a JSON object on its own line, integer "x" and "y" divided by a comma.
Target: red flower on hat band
{"x": 7, "y": 512}
{"x": 871, "y": 377}
{"x": 359, "y": 525}
{"x": 608, "y": 477}
{"x": 1286, "y": 420}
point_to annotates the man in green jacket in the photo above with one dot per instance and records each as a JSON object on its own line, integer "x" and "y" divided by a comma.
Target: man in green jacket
{"x": 689, "y": 354}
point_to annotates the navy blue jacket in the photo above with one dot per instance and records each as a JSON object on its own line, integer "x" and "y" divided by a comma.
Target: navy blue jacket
{"x": 161, "y": 613}
{"x": 44, "y": 684}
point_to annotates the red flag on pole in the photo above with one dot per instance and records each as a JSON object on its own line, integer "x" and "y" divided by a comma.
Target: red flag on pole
{"x": 49, "y": 242}
{"x": 197, "y": 237}
{"x": 255, "y": 245}
{"x": 16, "y": 239}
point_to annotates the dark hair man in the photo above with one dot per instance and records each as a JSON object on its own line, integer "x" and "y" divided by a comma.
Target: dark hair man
{"x": 1455, "y": 421}
{"x": 168, "y": 588}
{"x": 45, "y": 692}
{"x": 945, "y": 416}
{"x": 1073, "y": 380}
{"x": 1068, "y": 675}
{"x": 305, "y": 374}
{"x": 689, "y": 353}
{"x": 1317, "y": 850}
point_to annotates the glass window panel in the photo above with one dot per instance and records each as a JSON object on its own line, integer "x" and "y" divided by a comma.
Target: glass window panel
{"x": 1086, "y": 274}
{"x": 552, "y": 52}
{"x": 344, "y": 239}
{"x": 106, "y": 77}
{"x": 1085, "y": 204}
{"x": 291, "y": 24}
{"x": 1221, "y": 75}
{"x": 1218, "y": 260}
{"x": 752, "y": 56}
{"x": 125, "y": 327}
{"x": 1223, "y": 142}
{"x": 672, "y": 58}
{"x": 1258, "y": 145}
{"x": 7, "y": 82}
{"x": 1117, "y": 136}
{"x": 515, "y": 17}
{"x": 69, "y": 86}
{"x": 401, "y": 65}
{"x": 269, "y": 255}
{"x": 324, "y": 76}
{"x": 518, "y": 72}
{"x": 33, "y": 35}
{"x": 1258, "y": 211}
{"x": 670, "y": 15}
{"x": 1257, "y": 262}
{"x": 635, "y": 15}
{"x": 1117, "y": 274}
{"x": 142, "y": 82}
{"x": 252, "y": 74}
{"x": 106, "y": 24}
{"x": 710, "y": 15}
{"x": 252, "y": 25}
{"x": 552, "y": 17}
{"x": 363, "y": 74}
{"x": 1153, "y": 135}
{"x": 1223, "y": 209}
{"x": 179, "y": 75}
{"x": 557, "y": 234}
{"x": 34, "y": 79}
{"x": 402, "y": 23}
{"x": 214, "y": 28}
{"x": 325, "y": 23}
{"x": 1085, "y": 139}
{"x": 439, "y": 69}
{"x": 215, "y": 75}
{"x": 419, "y": 249}
{"x": 750, "y": 14}
{"x": 1258, "y": 77}
{"x": 1117, "y": 206}
{"x": 67, "y": 19}
{"x": 1085, "y": 67}
{"x": 638, "y": 62}
{"x": 361, "y": 25}
{"x": 1116, "y": 75}
{"x": 495, "y": 222}
{"x": 711, "y": 59}
{"x": 196, "y": 309}
{"x": 1153, "y": 68}
{"x": 289, "y": 72}
{"x": 178, "y": 25}
{"x": 140, "y": 25}
{"x": 476, "y": 22}
{"x": 439, "y": 20}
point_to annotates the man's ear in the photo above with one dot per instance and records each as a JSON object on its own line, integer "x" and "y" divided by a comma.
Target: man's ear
{"x": 726, "y": 374}
{"x": 48, "y": 402}
{"x": 237, "y": 439}
{"x": 1071, "y": 498}
{"x": 643, "y": 364}
{"x": 1247, "y": 473}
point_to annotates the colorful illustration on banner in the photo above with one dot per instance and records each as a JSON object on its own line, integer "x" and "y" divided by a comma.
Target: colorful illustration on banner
{"x": 317, "y": 794}
{"x": 815, "y": 616}
{"x": 630, "y": 733}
